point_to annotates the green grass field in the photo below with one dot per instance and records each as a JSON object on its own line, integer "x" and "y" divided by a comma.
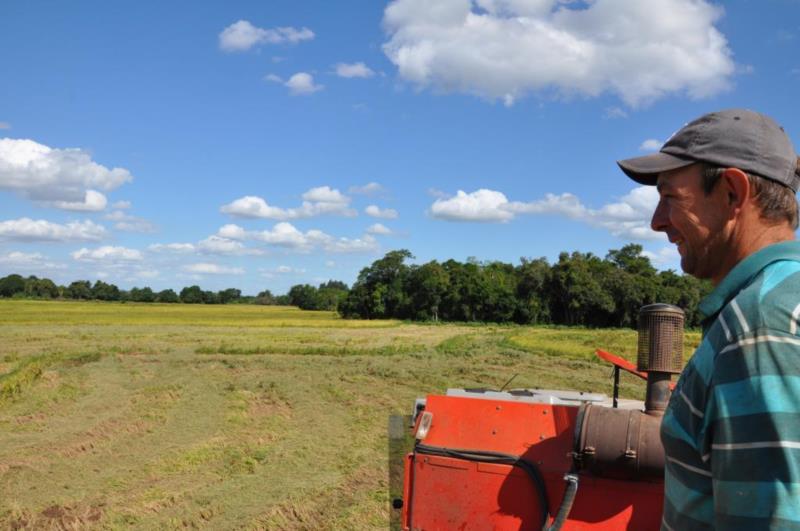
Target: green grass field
{"x": 227, "y": 417}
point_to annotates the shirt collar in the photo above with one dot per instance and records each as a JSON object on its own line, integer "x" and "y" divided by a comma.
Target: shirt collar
{"x": 743, "y": 272}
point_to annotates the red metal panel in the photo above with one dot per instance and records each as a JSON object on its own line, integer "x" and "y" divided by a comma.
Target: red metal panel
{"x": 447, "y": 493}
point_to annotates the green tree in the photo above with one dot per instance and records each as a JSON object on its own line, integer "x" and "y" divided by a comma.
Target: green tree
{"x": 209, "y": 297}
{"x": 576, "y": 293}
{"x": 265, "y": 297}
{"x": 427, "y": 286}
{"x": 192, "y": 295}
{"x": 79, "y": 290}
{"x": 229, "y": 295}
{"x": 11, "y": 285}
{"x": 379, "y": 291}
{"x": 167, "y": 295}
{"x": 534, "y": 305}
{"x": 632, "y": 283}
{"x": 105, "y": 292}
{"x": 142, "y": 295}
{"x": 41, "y": 288}
{"x": 304, "y": 296}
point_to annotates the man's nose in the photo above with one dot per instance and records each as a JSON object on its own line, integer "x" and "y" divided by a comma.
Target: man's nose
{"x": 660, "y": 220}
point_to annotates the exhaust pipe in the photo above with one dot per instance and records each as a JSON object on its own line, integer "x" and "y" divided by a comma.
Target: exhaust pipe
{"x": 626, "y": 444}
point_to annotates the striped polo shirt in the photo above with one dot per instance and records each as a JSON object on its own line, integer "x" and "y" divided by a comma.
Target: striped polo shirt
{"x": 731, "y": 432}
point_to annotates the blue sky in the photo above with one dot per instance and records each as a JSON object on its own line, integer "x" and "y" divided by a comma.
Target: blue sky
{"x": 259, "y": 145}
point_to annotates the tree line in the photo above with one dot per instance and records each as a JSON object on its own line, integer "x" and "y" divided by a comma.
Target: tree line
{"x": 324, "y": 297}
{"x": 32, "y": 287}
{"x": 580, "y": 289}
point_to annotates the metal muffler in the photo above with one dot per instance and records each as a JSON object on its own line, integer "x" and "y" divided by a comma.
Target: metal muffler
{"x": 625, "y": 444}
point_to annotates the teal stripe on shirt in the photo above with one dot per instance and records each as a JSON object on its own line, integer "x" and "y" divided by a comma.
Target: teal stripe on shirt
{"x": 758, "y": 394}
{"x": 758, "y": 499}
{"x": 775, "y": 274}
{"x": 694, "y": 504}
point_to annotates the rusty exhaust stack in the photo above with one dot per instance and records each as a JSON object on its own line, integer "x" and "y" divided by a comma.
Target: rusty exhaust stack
{"x": 626, "y": 444}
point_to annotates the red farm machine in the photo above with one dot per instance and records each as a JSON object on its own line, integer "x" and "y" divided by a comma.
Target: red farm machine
{"x": 546, "y": 460}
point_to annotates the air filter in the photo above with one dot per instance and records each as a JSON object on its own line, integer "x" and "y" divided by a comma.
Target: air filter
{"x": 660, "y": 338}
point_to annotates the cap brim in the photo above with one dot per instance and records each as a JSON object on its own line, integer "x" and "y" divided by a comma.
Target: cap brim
{"x": 645, "y": 170}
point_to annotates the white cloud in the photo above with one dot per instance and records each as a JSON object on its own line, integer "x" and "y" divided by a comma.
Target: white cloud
{"x": 281, "y": 270}
{"x": 242, "y": 35}
{"x": 317, "y": 201}
{"x": 219, "y": 245}
{"x": 286, "y": 235}
{"x": 205, "y": 268}
{"x": 370, "y": 188}
{"x": 365, "y": 244}
{"x": 121, "y": 205}
{"x": 172, "y": 247}
{"x": 353, "y": 70}
{"x": 5, "y": 125}
{"x": 107, "y": 253}
{"x": 325, "y": 194}
{"x": 26, "y": 229}
{"x": 330, "y": 263}
{"x": 651, "y": 144}
{"x": 93, "y": 201}
{"x": 627, "y": 218}
{"x": 128, "y": 223}
{"x": 231, "y": 231}
{"x": 29, "y": 261}
{"x": 16, "y": 257}
{"x": 285, "y": 270}
{"x": 273, "y": 78}
{"x": 378, "y": 229}
{"x": 223, "y": 243}
{"x": 62, "y": 178}
{"x": 302, "y": 83}
{"x": 376, "y": 212}
{"x": 504, "y": 49}
{"x": 251, "y": 206}
{"x": 615, "y": 113}
{"x": 481, "y": 205}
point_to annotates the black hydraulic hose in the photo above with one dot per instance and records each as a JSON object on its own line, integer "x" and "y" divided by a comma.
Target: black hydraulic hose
{"x": 485, "y": 456}
{"x": 566, "y": 502}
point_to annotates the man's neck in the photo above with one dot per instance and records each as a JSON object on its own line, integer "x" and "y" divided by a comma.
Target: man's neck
{"x": 745, "y": 243}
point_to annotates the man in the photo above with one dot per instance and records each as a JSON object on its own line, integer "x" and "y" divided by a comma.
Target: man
{"x": 731, "y": 434}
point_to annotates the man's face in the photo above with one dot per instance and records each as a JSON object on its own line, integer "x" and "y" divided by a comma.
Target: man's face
{"x": 693, "y": 221}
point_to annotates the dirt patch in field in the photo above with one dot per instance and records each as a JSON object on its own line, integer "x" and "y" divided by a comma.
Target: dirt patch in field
{"x": 109, "y": 430}
{"x": 261, "y": 407}
{"x": 59, "y": 517}
{"x": 35, "y": 418}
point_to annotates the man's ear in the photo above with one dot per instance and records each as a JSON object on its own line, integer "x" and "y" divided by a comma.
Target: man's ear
{"x": 737, "y": 187}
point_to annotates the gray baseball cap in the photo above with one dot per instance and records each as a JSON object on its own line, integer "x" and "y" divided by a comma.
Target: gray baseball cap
{"x": 734, "y": 138}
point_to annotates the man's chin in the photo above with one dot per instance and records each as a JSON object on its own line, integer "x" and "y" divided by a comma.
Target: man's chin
{"x": 687, "y": 266}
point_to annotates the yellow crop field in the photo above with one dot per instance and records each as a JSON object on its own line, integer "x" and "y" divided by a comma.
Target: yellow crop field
{"x": 226, "y": 417}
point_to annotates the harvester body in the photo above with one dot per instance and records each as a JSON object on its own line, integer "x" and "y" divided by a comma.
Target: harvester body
{"x": 547, "y": 460}
{"x": 442, "y": 492}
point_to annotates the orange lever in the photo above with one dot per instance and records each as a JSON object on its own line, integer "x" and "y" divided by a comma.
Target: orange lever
{"x": 624, "y": 364}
